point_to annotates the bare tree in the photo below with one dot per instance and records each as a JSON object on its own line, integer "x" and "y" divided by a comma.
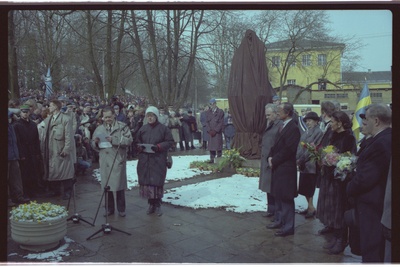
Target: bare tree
{"x": 166, "y": 43}
{"x": 12, "y": 58}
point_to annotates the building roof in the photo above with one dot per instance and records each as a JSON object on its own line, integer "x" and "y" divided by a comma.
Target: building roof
{"x": 304, "y": 44}
{"x": 370, "y": 76}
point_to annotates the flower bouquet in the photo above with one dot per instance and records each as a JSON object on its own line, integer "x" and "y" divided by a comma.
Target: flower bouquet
{"x": 314, "y": 151}
{"x": 345, "y": 165}
{"x": 35, "y": 212}
{"x": 330, "y": 156}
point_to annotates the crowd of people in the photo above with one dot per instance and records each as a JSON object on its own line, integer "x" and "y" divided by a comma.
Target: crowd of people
{"x": 355, "y": 211}
{"x": 51, "y": 141}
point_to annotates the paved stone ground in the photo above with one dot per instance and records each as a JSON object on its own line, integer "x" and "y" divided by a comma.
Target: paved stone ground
{"x": 181, "y": 235}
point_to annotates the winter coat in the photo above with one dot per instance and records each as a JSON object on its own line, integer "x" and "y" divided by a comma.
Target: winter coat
{"x": 215, "y": 122}
{"x": 174, "y": 125}
{"x": 332, "y": 200}
{"x": 203, "y": 121}
{"x": 59, "y": 137}
{"x": 268, "y": 141}
{"x": 28, "y": 139}
{"x": 306, "y": 165}
{"x": 229, "y": 129}
{"x": 368, "y": 187}
{"x": 284, "y": 168}
{"x": 13, "y": 153}
{"x": 186, "y": 134}
{"x": 114, "y": 172}
{"x": 152, "y": 168}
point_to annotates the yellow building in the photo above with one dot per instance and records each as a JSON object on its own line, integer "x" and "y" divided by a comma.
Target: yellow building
{"x": 309, "y": 62}
{"x": 318, "y": 62}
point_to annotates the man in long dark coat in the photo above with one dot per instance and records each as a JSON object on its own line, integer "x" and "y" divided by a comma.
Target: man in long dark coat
{"x": 214, "y": 126}
{"x": 282, "y": 160}
{"x": 369, "y": 184}
{"x": 29, "y": 152}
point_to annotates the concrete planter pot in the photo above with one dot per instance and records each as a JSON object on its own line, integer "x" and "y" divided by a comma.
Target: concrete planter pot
{"x": 39, "y": 236}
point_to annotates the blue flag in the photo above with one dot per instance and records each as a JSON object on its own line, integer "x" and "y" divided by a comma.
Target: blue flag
{"x": 363, "y": 102}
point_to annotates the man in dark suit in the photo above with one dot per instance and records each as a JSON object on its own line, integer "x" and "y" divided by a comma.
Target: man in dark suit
{"x": 368, "y": 186}
{"x": 282, "y": 160}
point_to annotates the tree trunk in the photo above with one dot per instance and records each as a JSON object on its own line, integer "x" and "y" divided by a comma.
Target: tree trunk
{"x": 12, "y": 58}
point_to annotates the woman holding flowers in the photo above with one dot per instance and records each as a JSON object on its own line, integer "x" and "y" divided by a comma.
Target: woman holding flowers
{"x": 332, "y": 201}
{"x": 306, "y": 163}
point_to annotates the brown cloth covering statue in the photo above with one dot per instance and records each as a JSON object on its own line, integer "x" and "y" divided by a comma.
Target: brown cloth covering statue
{"x": 249, "y": 90}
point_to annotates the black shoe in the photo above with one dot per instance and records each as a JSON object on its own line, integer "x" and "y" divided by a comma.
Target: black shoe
{"x": 274, "y": 226}
{"x": 325, "y": 230}
{"x": 284, "y": 233}
{"x": 66, "y": 196}
{"x": 151, "y": 209}
{"x": 192, "y": 147}
{"x": 122, "y": 213}
{"x": 211, "y": 161}
{"x": 109, "y": 213}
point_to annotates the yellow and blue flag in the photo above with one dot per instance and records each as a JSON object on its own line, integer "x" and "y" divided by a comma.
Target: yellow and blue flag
{"x": 363, "y": 102}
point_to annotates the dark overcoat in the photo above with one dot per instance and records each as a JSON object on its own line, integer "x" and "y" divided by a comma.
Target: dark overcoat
{"x": 152, "y": 167}
{"x": 205, "y": 134}
{"x": 215, "y": 121}
{"x": 368, "y": 189}
{"x": 284, "y": 168}
{"x": 268, "y": 141}
{"x": 332, "y": 201}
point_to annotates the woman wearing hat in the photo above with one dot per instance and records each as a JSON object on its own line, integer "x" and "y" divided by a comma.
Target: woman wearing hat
{"x": 307, "y": 167}
{"x": 152, "y": 165}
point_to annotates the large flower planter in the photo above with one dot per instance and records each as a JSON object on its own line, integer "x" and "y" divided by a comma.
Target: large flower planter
{"x": 39, "y": 236}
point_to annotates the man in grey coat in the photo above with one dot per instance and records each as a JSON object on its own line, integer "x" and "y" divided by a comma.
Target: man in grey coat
{"x": 268, "y": 140}
{"x": 214, "y": 126}
{"x": 111, "y": 140}
{"x": 58, "y": 149}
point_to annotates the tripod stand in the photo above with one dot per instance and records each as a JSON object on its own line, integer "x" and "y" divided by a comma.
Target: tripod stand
{"x": 107, "y": 228}
{"x": 76, "y": 217}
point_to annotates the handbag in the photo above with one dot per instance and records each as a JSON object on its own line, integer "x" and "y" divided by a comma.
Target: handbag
{"x": 169, "y": 162}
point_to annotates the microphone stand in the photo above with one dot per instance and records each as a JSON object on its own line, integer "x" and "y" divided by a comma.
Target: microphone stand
{"x": 107, "y": 228}
{"x": 76, "y": 217}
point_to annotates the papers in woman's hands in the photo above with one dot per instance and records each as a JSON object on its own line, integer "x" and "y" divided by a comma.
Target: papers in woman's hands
{"x": 147, "y": 148}
{"x": 103, "y": 141}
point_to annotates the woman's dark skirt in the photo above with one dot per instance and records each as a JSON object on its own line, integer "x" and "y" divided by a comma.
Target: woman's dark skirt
{"x": 307, "y": 184}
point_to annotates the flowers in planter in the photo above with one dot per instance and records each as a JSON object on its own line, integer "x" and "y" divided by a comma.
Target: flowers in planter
{"x": 232, "y": 158}
{"x": 35, "y": 212}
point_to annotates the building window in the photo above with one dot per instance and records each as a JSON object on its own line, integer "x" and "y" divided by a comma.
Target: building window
{"x": 292, "y": 61}
{"x": 291, "y": 82}
{"x": 306, "y": 60}
{"x": 276, "y": 61}
{"x": 344, "y": 95}
{"x": 330, "y": 95}
{"x": 377, "y": 95}
{"x": 321, "y": 59}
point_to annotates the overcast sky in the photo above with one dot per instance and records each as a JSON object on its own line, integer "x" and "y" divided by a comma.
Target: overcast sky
{"x": 374, "y": 27}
